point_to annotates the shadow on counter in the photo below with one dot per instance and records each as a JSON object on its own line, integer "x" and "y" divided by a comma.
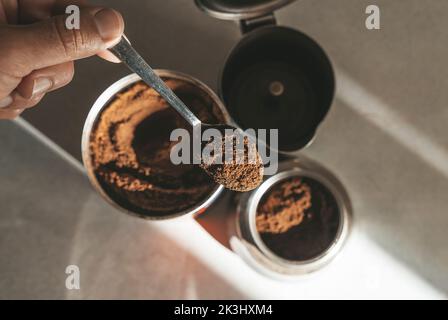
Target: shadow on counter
{"x": 51, "y": 218}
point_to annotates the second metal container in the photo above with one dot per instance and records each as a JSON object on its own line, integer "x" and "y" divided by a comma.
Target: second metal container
{"x": 248, "y": 243}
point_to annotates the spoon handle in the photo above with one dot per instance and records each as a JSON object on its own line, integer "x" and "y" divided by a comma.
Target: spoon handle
{"x": 130, "y": 57}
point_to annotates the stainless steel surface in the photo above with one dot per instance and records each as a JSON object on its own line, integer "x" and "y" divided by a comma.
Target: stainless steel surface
{"x": 126, "y": 53}
{"x": 248, "y": 244}
{"x": 228, "y": 11}
{"x": 395, "y": 171}
{"x": 51, "y": 218}
{"x": 94, "y": 114}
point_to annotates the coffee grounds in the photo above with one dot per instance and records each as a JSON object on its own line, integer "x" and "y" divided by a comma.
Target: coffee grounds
{"x": 130, "y": 148}
{"x": 284, "y": 208}
{"x": 238, "y": 175}
{"x": 308, "y": 219}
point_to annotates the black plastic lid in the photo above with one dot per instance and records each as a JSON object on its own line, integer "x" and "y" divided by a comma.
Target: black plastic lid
{"x": 240, "y": 9}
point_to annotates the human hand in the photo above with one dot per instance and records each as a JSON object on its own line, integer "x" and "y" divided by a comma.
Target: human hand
{"x": 37, "y": 50}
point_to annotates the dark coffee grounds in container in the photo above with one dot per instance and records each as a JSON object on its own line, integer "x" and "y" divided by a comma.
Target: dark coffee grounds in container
{"x": 130, "y": 148}
{"x": 298, "y": 219}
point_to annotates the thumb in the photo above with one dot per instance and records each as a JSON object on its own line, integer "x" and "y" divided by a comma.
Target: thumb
{"x": 50, "y": 42}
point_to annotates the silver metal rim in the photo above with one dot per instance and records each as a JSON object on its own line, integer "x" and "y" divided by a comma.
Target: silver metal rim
{"x": 248, "y": 13}
{"x": 260, "y": 256}
{"x": 103, "y": 101}
{"x": 289, "y": 153}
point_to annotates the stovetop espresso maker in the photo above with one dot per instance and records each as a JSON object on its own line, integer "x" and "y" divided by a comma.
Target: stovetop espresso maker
{"x": 275, "y": 77}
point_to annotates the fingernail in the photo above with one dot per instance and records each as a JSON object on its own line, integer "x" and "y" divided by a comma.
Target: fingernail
{"x": 109, "y": 56}
{"x": 41, "y": 85}
{"x": 109, "y": 24}
{"x": 6, "y": 102}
